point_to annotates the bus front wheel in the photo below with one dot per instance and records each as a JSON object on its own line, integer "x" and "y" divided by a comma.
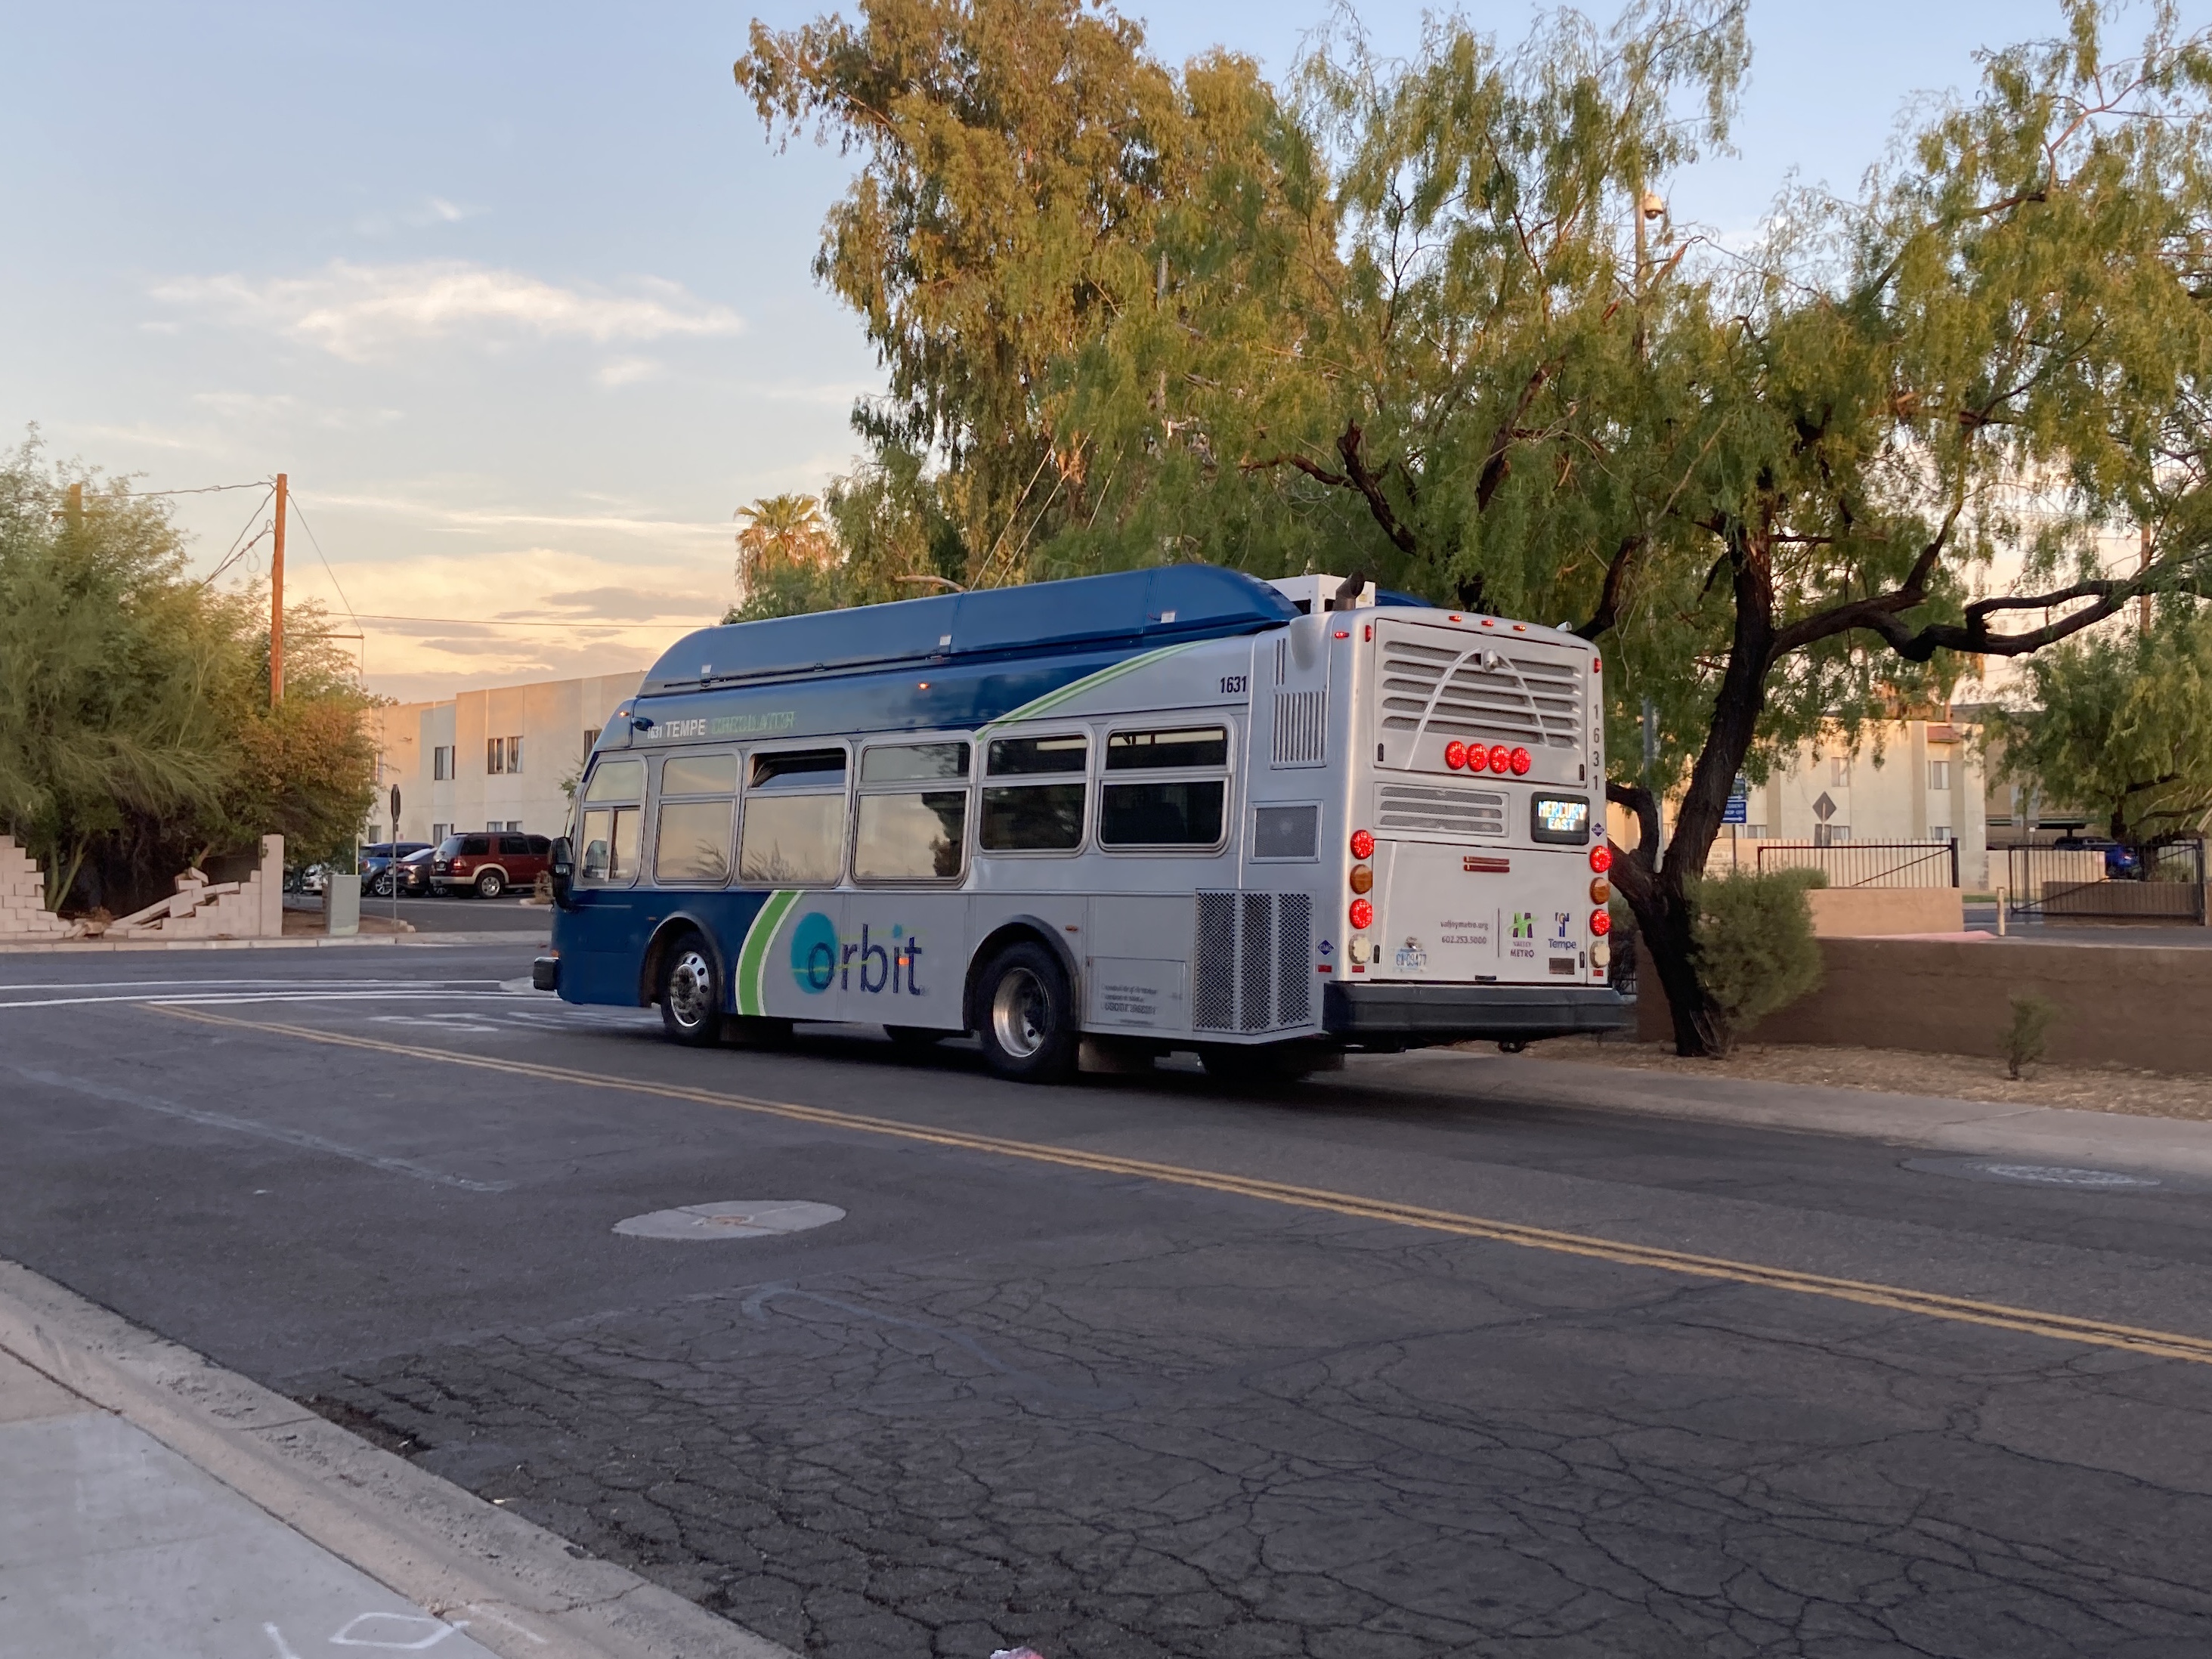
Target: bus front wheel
{"x": 691, "y": 994}
{"x": 1028, "y": 1026}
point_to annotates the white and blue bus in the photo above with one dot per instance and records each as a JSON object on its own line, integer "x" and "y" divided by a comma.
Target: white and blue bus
{"x": 1176, "y": 808}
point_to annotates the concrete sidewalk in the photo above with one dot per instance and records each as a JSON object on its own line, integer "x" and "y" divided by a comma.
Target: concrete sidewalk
{"x": 1992, "y": 1128}
{"x": 151, "y": 1503}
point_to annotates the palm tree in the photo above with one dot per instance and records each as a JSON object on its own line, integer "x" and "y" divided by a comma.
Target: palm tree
{"x": 786, "y": 530}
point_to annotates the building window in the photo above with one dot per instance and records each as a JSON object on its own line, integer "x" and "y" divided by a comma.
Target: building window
{"x": 1939, "y": 832}
{"x": 442, "y": 763}
{"x": 1753, "y": 832}
{"x": 514, "y": 753}
{"x": 440, "y": 831}
{"x": 1939, "y": 775}
{"x": 591, "y": 738}
{"x": 502, "y": 754}
{"x": 1831, "y": 835}
{"x": 1839, "y": 770}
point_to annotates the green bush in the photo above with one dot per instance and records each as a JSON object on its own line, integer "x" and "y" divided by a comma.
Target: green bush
{"x": 2023, "y": 1041}
{"x": 1755, "y": 950}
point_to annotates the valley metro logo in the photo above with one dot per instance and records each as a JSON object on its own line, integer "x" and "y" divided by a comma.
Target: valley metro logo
{"x": 820, "y": 959}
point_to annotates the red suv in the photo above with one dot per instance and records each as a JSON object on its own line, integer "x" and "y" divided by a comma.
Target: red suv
{"x": 488, "y": 863}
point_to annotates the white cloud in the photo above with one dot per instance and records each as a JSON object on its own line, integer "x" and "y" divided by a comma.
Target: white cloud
{"x": 358, "y": 312}
{"x": 628, "y": 371}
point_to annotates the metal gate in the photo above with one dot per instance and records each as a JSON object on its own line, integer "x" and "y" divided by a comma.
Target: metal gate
{"x": 2064, "y": 883}
{"x": 1867, "y": 863}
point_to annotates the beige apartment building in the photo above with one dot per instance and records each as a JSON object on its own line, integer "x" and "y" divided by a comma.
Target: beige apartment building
{"x": 496, "y": 759}
{"x": 1906, "y": 781}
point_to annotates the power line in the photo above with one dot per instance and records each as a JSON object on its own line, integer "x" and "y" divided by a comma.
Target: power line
{"x": 236, "y": 551}
{"x": 315, "y": 542}
{"x": 496, "y": 621}
{"x": 202, "y": 489}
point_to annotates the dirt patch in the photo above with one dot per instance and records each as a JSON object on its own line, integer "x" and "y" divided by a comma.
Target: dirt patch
{"x": 1901, "y": 1072}
{"x": 308, "y": 924}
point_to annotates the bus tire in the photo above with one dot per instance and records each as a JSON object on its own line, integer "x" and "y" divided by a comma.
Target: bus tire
{"x": 691, "y": 993}
{"x": 1028, "y": 1015}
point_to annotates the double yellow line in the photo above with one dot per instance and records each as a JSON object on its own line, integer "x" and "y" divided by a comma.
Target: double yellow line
{"x": 2094, "y": 1332}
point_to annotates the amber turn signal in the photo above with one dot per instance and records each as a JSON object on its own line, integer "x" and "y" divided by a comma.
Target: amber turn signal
{"x": 1363, "y": 879}
{"x": 1601, "y": 889}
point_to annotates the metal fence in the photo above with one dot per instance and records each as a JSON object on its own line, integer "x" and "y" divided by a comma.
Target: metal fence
{"x": 1867, "y": 863}
{"x": 2063, "y": 883}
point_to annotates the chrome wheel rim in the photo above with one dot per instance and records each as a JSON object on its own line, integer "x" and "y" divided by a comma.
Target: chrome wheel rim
{"x": 1017, "y": 1009}
{"x": 691, "y": 990}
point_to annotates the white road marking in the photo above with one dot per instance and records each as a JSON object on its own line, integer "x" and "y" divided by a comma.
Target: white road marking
{"x": 266, "y": 1130}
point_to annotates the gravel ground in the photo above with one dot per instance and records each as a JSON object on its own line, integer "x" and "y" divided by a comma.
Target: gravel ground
{"x": 1902, "y": 1072}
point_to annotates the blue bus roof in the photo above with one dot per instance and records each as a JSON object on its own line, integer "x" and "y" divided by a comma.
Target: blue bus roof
{"x": 1141, "y": 608}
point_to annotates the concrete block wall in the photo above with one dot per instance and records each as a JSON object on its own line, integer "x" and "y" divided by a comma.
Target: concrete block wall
{"x": 252, "y": 908}
{"x": 23, "y": 913}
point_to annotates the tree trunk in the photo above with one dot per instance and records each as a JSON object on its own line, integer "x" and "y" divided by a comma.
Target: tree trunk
{"x": 1665, "y": 917}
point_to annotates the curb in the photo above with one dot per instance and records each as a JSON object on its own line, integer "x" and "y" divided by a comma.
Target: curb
{"x": 422, "y": 1536}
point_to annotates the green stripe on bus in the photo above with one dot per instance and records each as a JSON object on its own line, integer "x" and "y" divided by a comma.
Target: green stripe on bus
{"x": 1039, "y": 706}
{"x": 752, "y": 955}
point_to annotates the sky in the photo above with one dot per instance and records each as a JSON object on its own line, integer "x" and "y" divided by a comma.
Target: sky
{"x": 517, "y": 296}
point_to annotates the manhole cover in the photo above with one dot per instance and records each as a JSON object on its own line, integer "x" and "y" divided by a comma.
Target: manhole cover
{"x": 741, "y": 1218}
{"x": 2033, "y": 1175}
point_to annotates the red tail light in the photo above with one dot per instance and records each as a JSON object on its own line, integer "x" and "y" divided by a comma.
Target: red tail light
{"x": 1478, "y": 758}
{"x": 1362, "y": 844}
{"x": 1601, "y": 922}
{"x": 1455, "y": 755}
{"x": 1362, "y": 913}
{"x": 1521, "y": 760}
{"x": 1601, "y": 857}
{"x": 1501, "y": 758}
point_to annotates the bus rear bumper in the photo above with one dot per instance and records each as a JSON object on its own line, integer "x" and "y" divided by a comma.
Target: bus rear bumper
{"x": 1453, "y": 1013}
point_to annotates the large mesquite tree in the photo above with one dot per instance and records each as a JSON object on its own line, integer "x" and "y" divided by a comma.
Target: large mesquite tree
{"x": 1432, "y": 321}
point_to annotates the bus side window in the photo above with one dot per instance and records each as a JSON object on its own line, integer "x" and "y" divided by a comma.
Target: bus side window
{"x": 691, "y": 836}
{"x": 794, "y": 830}
{"x": 614, "y": 811}
{"x": 904, "y": 831}
{"x": 1033, "y": 795}
{"x": 1163, "y": 805}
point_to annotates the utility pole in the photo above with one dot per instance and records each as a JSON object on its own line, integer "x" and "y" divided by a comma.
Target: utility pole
{"x": 73, "y": 508}
{"x": 277, "y": 599}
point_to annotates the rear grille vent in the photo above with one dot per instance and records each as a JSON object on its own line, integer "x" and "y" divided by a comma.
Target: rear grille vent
{"x": 1213, "y": 963}
{"x": 1294, "y": 975}
{"x": 1481, "y": 693}
{"x": 1301, "y": 728}
{"x": 1419, "y": 809}
{"x": 1252, "y": 961}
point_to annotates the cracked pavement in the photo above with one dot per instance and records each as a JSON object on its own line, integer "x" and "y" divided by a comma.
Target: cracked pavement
{"x": 1109, "y": 1417}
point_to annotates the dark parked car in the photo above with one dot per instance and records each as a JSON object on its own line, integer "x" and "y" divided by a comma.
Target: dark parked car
{"x": 489, "y": 862}
{"x": 376, "y": 864}
{"x": 2120, "y": 863}
{"x": 415, "y": 873}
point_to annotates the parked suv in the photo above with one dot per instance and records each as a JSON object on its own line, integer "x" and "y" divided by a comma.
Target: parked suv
{"x": 489, "y": 862}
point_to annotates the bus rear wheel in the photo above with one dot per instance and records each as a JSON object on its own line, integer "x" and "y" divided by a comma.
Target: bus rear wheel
{"x": 1028, "y": 1024}
{"x": 691, "y": 993}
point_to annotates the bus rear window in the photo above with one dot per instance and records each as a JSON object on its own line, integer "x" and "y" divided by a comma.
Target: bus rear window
{"x": 1200, "y": 746}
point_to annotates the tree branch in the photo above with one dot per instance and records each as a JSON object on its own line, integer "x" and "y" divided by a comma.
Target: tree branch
{"x": 1608, "y": 599}
{"x": 1370, "y": 487}
{"x": 1496, "y": 463}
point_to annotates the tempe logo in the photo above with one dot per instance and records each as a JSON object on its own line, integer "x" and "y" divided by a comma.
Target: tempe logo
{"x": 874, "y": 963}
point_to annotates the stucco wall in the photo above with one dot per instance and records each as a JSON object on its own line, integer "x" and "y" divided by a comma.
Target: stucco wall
{"x": 1856, "y": 912}
{"x": 2137, "y": 1004}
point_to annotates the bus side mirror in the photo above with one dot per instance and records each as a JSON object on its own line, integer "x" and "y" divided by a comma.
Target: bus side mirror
{"x": 563, "y": 867}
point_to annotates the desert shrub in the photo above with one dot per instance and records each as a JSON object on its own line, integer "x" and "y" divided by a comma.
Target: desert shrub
{"x": 2027, "y": 1033}
{"x": 1754, "y": 944}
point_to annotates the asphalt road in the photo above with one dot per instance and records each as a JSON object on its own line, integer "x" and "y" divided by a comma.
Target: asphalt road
{"x": 1398, "y": 1363}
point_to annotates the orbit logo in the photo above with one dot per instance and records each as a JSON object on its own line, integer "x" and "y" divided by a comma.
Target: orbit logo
{"x": 876, "y": 963}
